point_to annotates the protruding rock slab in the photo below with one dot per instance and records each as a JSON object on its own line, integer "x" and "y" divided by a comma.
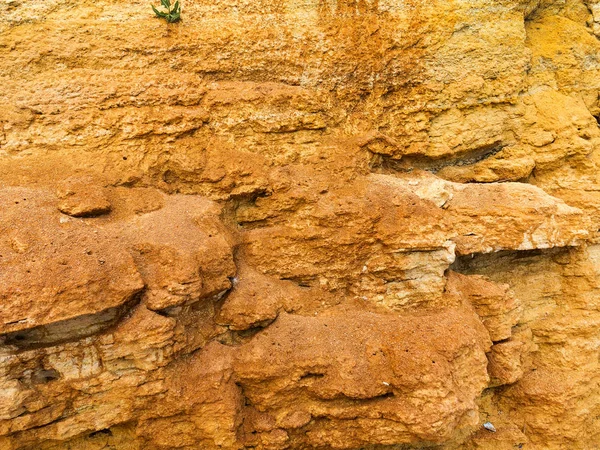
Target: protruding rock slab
{"x": 257, "y": 300}
{"x": 182, "y": 251}
{"x": 390, "y": 238}
{"x": 402, "y": 379}
{"x": 484, "y": 218}
{"x": 58, "y": 273}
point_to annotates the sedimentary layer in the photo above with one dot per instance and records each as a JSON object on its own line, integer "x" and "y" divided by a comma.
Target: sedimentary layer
{"x": 367, "y": 224}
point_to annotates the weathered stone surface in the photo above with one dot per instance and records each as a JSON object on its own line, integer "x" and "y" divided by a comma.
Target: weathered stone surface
{"x": 559, "y": 293}
{"x": 58, "y": 279}
{"x": 256, "y": 300}
{"x": 507, "y": 361}
{"x": 82, "y": 198}
{"x": 494, "y": 303}
{"x": 359, "y": 237}
{"x": 202, "y": 407}
{"x": 63, "y": 368}
{"x": 483, "y": 218}
{"x": 181, "y": 250}
{"x": 390, "y": 374}
{"x": 288, "y": 188}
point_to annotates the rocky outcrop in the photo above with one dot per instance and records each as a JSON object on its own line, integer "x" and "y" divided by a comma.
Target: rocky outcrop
{"x": 357, "y": 378}
{"x": 300, "y": 225}
{"x": 49, "y": 260}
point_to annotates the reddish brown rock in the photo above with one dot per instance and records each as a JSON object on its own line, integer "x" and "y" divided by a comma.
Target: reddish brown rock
{"x": 65, "y": 364}
{"x": 361, "y": 152}
{"x": 58, "y": 279}
{"x": 182, "y": 251}
{"x": 256, "y": 300}
{"x": 506, "y": 361}
{"x": 390, "y": 239}
{"x": 202, "y": 407}
{"x": 389, "y": 373}
{"x": 82, "y": 197}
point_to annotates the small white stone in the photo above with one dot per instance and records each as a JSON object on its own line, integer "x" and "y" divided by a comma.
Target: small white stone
{"x": 488, "y": 426}
{"x": 386, "y": 383}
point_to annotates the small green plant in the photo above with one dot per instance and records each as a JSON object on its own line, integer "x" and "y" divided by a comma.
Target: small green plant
{"x": 172, "y": 15}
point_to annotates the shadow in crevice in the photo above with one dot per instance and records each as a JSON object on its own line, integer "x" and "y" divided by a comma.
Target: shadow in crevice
{"x": 386, "y": 164}
{"x": 483, "y": 263}
{"x": 70, "y": 329}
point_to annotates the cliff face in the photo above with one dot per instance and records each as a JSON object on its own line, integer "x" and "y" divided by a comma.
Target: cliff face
{"x": 285, "y": 224}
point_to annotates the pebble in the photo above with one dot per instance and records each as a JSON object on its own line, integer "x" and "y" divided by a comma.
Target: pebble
{"x": 488, "y": 426}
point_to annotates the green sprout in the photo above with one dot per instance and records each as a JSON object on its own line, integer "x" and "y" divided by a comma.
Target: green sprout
{"x": 172, "y": 15}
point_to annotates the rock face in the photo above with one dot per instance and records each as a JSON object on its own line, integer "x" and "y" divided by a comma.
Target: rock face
{"x": 47, "y": 261}
{"x": 357, "y": 378}
{"x": 329, "y": 224}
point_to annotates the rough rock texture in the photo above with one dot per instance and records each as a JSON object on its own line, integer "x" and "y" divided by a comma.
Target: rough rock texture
{"x": 321, "y": 224}
{"x": 373, "y": 368}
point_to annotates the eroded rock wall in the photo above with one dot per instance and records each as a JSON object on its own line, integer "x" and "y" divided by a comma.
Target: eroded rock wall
{"x": 320, "y": 224}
